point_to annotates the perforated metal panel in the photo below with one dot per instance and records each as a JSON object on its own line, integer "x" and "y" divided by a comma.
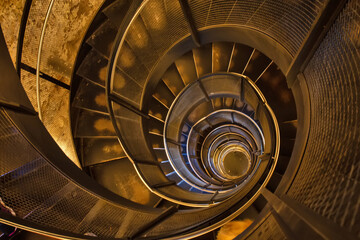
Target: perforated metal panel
{"x": 328, "y": 178}
{"x": 158, "y": 25}
{"x": 187, "y": 219}
{"x": 268, "y": 230}
{"x": 286, "y": 21}
{"x": 37, "y": 192}
{"x": 8, "y": 150}
{"x": 161, "y": 24}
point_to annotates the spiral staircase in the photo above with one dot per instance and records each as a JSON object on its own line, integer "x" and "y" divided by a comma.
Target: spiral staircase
{"x": 186, "y": 115}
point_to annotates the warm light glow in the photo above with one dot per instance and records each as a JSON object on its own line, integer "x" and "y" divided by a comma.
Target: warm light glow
{"x": 102, "y": 74}
{"x": 102, "y": 125}
{"x": 154, "y": 16}
{"x": 172, "y": 88}
{"x": 232, "y": 229}
{"x": 126, "y": 57}
{"x": 157, "y": 115}
{"x": 155, "y": 130}
{"x": 217, "y": 103}
{"x": 155, "y": 145}
{"x": 201, "y": 70}
{"x": 163, "y": 100}
{"x": 115, "y": 148}
{"x": 137, "y": 34}
{"x": 228, "y": 102}
{"x": 216, "y": 57}
{"x": 201, "y": 110}
{"x": 119, "y": 81}
{"x": 239, "y": 104}
{"x": 100, "y": 99}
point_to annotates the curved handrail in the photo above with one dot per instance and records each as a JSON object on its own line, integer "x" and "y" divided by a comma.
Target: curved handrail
{"x": 21, "y": 35}
{"x": 41, "y": 41}
{"x": 240, "y": 77}
{"x": 23, "y": 130}
{"x": 133, "y": 12}
{"x": 205, "y": 189}
{"x": 202, "y": 147}
{"x": 119, "y": 41}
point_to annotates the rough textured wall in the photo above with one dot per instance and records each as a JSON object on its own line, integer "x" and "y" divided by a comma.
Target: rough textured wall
{"x": 65, "y": 30}
{"x": 10, "y": 17}
{"x": 67, "y": 24}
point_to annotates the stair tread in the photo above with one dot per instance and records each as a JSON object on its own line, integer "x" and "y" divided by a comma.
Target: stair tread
{"x": 184, "y": 185}
{"x": 173, "y": 80}
{"x": 142, "y": 43}
{"x": 117, "y": 11}
{"x": 163, "y": 94}
{"x": 133, "y": 133}
{"x": 166, "y": 168}
{"x": 125, "y": 87}
{"x": 279, "y": 97}
{"x": 161, "y": 155}
{"x": 155, "y": 126}
{"x": 172, "y": 176}
{"x": 221, "y": 54}
{"x": 130, "y": 63}
{"x": 103, "y": 161}
{"x": 98, "y": 150}
{"x": 186, "y": 68}
{"x": 288, "y": 129}
{"x": 94, "y": 67}
{"x": 48, "y": 185}
{"x": 26, "y": 169}
{"x": 90, "y": 96}
{"x": 258, "y": 63}
{"x": 121, "y": 178}
{"x": 92, "y": 110}
{"x": 240, "y": 57}
{"x": 103, "y": 38}
{"x": 200, "y": 111}
{"x": 93, "y": 124}
{"x": 203, "y": 59}
{"x": 156, "y": 141}
{"x": 156, "y": 109}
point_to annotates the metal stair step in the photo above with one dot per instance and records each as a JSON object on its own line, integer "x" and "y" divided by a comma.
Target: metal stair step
{"x": 103, "y": 38}
{"x": 90, "y": 96}
{"x": 99, "y": 150}
{"x": 94, "y": 67}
